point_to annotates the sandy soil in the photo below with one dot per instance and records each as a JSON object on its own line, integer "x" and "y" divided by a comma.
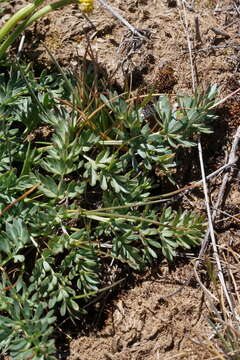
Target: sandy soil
{"x": 143, "y": 325}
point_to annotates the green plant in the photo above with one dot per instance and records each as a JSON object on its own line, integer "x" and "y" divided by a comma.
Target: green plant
{"x": 80, "y": 196}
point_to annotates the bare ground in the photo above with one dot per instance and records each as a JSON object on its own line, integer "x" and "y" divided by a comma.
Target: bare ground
{"x": 140, "y": 323}
{"x": 143, "y": 325}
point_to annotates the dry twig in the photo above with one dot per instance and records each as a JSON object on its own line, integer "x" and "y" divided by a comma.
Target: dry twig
{"x": 228, "y": 176}
{"x": 211, "y": 231}
{"x": 193, "y": 73}
{"x": 121, "y": 19}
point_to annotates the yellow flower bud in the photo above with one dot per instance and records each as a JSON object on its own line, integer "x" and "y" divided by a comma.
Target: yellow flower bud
{"x": 85, "y": 6}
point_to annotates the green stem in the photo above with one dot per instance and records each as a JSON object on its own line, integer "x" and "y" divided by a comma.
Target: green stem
{"x": 116, "y": 216}
{"x": 45, "y": 10}
{"x": 20, "y": 15}
{"x": 89, "y": 213}
{"x": 92, "y": 293}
